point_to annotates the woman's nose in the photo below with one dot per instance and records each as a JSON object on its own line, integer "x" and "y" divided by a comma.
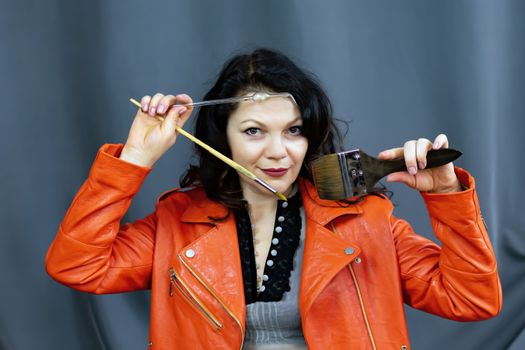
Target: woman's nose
{"x": 276, "y": 148}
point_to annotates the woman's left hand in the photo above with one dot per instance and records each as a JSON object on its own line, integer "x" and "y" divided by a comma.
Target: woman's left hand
{"x": 437, "y": 180}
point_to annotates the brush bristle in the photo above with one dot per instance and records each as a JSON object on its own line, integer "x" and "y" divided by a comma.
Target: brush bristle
{"x": 328, "y": 177}
{"x": 281, "y": 196}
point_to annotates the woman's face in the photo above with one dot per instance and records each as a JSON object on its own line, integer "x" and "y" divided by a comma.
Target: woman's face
{"x": 265, "y": 137}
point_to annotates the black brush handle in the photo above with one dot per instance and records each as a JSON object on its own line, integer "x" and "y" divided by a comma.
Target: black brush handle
{"x": 435, "y": 158}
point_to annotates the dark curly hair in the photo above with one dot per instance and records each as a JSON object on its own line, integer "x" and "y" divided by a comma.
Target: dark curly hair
{"x": 268, "y": 70}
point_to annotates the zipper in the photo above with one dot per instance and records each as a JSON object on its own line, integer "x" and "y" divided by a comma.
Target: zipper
{"x": 177, "y": 282}
{"x": 360, "y": 297}
{"x": 228, "y": 311}
{"x": 368, "y": 328}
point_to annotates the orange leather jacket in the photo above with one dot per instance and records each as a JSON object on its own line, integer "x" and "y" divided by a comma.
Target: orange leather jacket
{"x": 360, "y": 263}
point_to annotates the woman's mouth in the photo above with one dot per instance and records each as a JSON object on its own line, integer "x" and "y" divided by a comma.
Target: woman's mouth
{"x": 275, "y": 172}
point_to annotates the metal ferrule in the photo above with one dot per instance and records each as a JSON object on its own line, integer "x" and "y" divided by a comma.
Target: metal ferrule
{"x": 345, "y": 174}
{"x": 265, "y": 185}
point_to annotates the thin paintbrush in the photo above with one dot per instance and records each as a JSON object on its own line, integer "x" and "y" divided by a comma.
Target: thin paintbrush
{"x": 353, "y": 173}
{"x": 225, "y": 159}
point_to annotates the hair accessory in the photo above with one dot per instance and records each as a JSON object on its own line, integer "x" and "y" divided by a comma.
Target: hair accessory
{"x": 255, "y": 96}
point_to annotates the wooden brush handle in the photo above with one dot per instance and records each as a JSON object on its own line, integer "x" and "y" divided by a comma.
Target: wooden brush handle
{"x": 435, "y": 158}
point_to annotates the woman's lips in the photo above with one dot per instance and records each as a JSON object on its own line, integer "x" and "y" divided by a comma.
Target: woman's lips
{"x": 275, "y": 172}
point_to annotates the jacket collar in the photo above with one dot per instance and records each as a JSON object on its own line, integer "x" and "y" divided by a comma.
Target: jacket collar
{"x": 201, "y": 209}
{"x": 320, "y": 210}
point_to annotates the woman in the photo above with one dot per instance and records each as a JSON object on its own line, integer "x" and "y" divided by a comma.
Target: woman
{"x": 232, "y": 267}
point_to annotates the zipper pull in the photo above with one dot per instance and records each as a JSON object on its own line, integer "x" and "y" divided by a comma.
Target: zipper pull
{"x": 172, "y": 280}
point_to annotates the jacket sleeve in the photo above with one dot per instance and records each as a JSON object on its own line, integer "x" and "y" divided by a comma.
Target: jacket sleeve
{"x": 458, "y": 280}
{"x": 92, "y": 252}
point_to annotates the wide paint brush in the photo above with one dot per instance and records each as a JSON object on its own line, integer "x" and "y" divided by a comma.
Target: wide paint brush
{"x": 353, "y": 173}
{"x": 221, "y": 156}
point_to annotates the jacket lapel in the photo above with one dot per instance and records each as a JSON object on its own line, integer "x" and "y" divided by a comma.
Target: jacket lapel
{"x": 215, "y": 255}
{"x": 325, "y": 252}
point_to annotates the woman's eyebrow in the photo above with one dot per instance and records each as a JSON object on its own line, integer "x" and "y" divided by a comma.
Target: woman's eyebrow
{"x": 251, "y": 120}
{"x": 298, "y": 118}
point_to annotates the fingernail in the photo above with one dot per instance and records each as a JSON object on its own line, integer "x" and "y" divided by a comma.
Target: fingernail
{"x": 152, "y": 111}
{"x": 182, "y": 111}
{"x": 161, "y": 109}
{"x": 421, "y": 165}
{"x": 412, "y": 170}
{"x": 435, "y": 145}
{"x": 144, "y": 107}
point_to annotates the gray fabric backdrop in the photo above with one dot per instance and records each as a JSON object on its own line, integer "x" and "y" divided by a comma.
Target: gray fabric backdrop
{"x": 395, "y": 69}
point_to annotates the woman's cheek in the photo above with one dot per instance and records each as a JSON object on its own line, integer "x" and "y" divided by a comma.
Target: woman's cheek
{"x": 298, "y": 148}
{"x": 247, "y": 152}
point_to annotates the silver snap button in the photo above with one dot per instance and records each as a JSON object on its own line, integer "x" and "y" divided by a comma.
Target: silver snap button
{"x": 262, "y": 288}
{"x": 285, "y": 204}
{"x": 404, "y": 347}
{"x": 278, "y": 229}
{"x": 358, "y": 260}
{"x": 273, "y": 252}
{"x": 280, "y": 218}
{"x": 265, "y": 277}
{"x": 190, "y": 253}
{"x": 269, "y": 263}
{"x": 349, "y": 251}
{"x": 275, "y": 241}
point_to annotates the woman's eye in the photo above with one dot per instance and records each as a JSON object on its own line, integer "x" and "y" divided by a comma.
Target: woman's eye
{"x": 252, "y": 131}
{"x": 295, "y": 130}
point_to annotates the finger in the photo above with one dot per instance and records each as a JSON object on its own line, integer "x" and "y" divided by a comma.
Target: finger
{"x": 422, "y": 147}
{"x": 165, "y": 103}
{"x": 152, "y": 111}
{"x": 392, "y": 153}
{"x": 144, "y": 103}
{"x": 184, "y": 99}
{"x": 409, "y": 151}
{"x": 441, "y": 141}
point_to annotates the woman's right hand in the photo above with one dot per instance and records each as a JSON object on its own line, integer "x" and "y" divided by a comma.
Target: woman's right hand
{"x": 153, "y": 131}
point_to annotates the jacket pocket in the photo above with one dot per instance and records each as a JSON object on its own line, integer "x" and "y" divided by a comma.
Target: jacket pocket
{"x": 176, "y": 282}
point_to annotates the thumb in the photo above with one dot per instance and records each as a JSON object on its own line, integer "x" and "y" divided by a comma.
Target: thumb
{"x": 169, "y": 125}
{"x": 184, "y": 116}
{"x": 403, "y": 177}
